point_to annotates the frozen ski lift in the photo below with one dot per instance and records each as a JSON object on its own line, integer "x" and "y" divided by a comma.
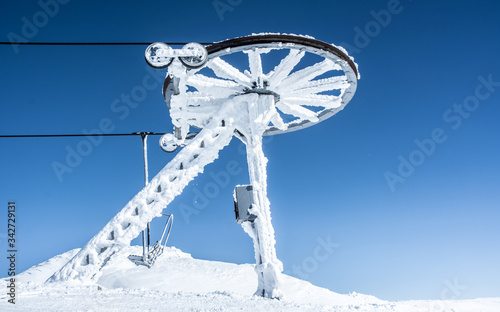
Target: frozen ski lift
{"x": 207, "y": 89}
{"x": 280, "y": 101}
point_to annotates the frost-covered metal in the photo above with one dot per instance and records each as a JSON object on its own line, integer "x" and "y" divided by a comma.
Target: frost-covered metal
{"x": 206, "y": 89}
{"x": 243, "y": 201}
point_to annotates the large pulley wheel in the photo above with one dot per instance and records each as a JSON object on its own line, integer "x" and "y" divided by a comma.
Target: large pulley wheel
{"x": 309, "y": 79}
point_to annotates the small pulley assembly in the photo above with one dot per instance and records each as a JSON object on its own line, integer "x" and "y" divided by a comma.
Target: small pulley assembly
{"x": 161, "y": 55}
{"x": 169, "y": 142}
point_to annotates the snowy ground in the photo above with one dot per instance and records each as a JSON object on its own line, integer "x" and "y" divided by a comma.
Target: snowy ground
{"x": 180, "y": 283}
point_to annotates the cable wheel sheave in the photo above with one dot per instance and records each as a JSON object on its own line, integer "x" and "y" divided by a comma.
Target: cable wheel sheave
{"x": 311, "y": 83}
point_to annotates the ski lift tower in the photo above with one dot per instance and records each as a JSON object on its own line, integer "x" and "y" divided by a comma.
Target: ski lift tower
{"x": 226, "y": 90}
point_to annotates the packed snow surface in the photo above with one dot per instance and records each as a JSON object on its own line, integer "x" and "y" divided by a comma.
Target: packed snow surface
{"x": 178, "y": 282}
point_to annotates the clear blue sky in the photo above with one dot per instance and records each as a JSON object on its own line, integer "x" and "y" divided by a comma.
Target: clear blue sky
{"x": 428, "y": 228}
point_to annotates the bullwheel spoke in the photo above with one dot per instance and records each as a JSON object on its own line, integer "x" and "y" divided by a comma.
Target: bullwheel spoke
{"x": 224, "y": 70}
{"x": 285, "y": 67}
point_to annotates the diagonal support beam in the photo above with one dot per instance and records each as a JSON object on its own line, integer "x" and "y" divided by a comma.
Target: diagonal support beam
{"x": 151, "y": 200}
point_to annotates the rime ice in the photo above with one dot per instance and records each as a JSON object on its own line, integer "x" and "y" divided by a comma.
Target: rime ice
{"x": 224, "y": 100}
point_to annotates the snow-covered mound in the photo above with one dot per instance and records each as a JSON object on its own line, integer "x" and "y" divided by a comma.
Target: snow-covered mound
{"x": 178, "y": 282}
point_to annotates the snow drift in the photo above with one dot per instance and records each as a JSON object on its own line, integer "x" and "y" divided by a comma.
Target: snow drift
{"x": 178, "y": 282}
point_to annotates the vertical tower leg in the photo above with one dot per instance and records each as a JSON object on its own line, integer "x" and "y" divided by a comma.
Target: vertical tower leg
{"x": 268, "y": 266}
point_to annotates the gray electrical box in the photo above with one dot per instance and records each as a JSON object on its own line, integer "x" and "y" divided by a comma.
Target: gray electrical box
{"x": 243, "y": 200}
